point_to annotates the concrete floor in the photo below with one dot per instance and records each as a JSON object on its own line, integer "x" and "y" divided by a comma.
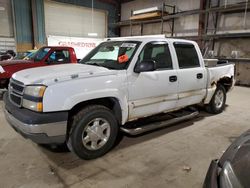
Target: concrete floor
{"x": 157, "y": 159}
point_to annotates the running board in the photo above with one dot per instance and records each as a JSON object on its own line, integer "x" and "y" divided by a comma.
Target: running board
{"x": 157, "y": 125}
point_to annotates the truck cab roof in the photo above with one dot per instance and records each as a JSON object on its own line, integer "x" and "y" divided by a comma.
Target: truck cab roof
{"x": 149, "y": 38}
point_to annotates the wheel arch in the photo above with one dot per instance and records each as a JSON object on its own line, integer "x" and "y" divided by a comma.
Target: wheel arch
{"x": 226, "y": 82}
{"x": 111, "y": 103}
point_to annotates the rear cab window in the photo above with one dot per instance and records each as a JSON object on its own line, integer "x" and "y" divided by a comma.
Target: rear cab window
{"x": 187, "y": 55}
{"x": 59, "y": 56}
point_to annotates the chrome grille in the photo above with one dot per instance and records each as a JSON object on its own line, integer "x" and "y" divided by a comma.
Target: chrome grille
{"x": 16, "y": 90}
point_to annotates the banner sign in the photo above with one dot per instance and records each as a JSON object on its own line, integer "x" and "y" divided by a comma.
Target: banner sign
{"x": 82, "y": 46}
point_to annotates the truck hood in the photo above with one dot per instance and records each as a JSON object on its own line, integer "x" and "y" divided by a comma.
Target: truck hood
{"x": 50, "y": 75}
{"x": 14, "y": 62}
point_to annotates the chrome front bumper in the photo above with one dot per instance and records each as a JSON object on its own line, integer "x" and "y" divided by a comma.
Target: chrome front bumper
{"x": 49, "y": 133}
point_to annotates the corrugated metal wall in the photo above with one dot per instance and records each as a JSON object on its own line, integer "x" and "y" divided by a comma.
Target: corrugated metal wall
{"x": 23, "y": 24}
{"x": 5, "y": 19}
{"x": 6, "y": 26}
{"x": 7, "y": 43}
{"x": 38, "y": 23}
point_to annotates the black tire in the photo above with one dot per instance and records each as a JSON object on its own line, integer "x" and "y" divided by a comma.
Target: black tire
{"x": 213, "y": 107}
{"x": 82, "y": 125}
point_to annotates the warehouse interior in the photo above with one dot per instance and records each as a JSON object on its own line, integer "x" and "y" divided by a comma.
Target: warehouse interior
{"x": 221, "y": 27}
{"x": 176, "y": 156}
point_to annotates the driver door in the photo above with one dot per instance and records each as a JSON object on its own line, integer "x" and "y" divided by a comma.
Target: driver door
{"x": 154, "y": 91}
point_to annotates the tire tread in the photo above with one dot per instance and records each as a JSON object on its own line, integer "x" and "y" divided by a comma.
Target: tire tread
{"x": 210, "y": 108}
{"x": 76, "y": 119}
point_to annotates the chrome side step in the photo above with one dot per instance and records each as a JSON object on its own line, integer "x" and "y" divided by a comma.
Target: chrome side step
{"x": 157, "y": 125}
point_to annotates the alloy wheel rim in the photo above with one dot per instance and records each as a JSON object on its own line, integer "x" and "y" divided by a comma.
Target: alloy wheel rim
{"x": 96, "y": 134}
{"x": 219, "y": 99}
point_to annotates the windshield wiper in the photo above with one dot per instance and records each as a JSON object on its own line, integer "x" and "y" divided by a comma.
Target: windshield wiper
{"x": 107, "y": 67}
{"x": 94, "y": 64}
{"x": 90, "y": 63}
{"x": 104, "y": 66}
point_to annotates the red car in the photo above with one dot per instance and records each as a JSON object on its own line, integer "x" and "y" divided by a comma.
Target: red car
{"x": 45, "y": 56}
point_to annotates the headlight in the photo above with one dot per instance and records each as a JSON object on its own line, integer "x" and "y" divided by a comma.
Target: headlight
{"x": 35, "y": 91}
{"x": 32, "y": 98}
{"x": 1, "y": 69}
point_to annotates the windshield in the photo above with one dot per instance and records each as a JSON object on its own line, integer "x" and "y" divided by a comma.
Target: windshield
{"x": 112, "y": 55}
{"x": 40, "y": 54}
{"x": 29, "y": 54}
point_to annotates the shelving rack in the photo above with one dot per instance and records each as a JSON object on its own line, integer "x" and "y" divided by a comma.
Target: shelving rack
{"x": 205, "y": 10}
{"x": 141, "y": 22}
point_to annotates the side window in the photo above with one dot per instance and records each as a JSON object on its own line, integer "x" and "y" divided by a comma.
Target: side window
{"x": 187, "y": 55}
{"x": 159, "y": 53}
{"x": 158, "y": 50}
{"x": 59, "y": 56}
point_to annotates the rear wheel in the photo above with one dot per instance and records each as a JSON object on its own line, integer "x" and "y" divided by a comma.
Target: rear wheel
{"x": 93, "y": 133}
{"x": 218, "y": 101}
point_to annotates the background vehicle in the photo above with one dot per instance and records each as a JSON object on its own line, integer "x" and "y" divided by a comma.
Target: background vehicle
{"x": 233, "y": 168}
{"x": 9, "y": 54}
{"x": 43, "y": 57}
{"x": 25, "y": 55}
{"x": 29, "y": 54}
{"x": 121, "y": 80}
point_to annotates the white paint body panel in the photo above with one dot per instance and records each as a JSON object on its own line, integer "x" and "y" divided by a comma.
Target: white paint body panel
{"x": 191, "y": 90}
{"x": 139, "y": 95}
{"x": 151, "y": 93}
{"x": 214, "y": 74}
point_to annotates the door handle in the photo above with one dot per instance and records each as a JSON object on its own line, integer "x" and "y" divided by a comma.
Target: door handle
{"x": 172, "y": 78}
{"x": 199, "y": 76}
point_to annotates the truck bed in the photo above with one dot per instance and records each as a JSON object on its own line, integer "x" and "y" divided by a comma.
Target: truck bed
{"x": 220, "y": 70}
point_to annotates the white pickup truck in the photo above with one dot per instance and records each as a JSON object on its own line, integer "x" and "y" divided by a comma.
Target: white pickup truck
{"x": 86, "y": 105}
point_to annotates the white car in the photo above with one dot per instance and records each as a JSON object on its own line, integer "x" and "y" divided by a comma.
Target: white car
{"x": 121, "y": 80}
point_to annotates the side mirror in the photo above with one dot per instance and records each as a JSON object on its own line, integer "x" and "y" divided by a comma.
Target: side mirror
{"x": 145, "y": 66}
{"x": 49, "y": 61}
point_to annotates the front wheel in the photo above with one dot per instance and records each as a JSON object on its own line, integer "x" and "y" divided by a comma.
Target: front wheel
{"x": 93, "y": 133}
{"x": 218, "y": 101}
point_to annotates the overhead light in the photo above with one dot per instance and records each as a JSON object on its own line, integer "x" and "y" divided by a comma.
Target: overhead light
{"x": 2, "y": 9}
{"x": 92, "y": 34}
{"x": 146, "y": 10}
